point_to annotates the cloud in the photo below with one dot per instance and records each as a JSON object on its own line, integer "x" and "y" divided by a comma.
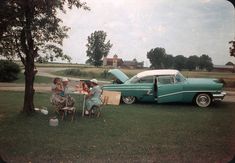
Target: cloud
{"x": 205, "y": 1}
{"x": 135, "y": 26}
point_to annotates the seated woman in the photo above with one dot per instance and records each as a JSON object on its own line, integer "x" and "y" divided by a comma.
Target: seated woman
{"x": 57, "y": 98}
{"x": 93, "y": 97}
{"x": 59, "y": 94}
{"x": 70, "y": 100}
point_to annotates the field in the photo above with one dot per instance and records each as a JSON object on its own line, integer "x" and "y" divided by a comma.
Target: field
{"x": 92, "y": 72}
{"x": 125, "y": 133}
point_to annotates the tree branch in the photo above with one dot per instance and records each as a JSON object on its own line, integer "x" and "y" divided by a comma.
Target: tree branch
{"x": 18, "y": 50}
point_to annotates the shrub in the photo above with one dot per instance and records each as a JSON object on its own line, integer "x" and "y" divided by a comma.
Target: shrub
{"x": 75, "y": 72}
{"x": 8, "y": 71}
{"x": 90, "y": 74}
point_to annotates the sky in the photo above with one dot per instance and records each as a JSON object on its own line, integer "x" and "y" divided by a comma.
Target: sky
{"x": 134, "y": 27}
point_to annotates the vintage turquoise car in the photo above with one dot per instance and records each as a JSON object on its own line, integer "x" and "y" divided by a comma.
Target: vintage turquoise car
{"x": 164, "y": 86}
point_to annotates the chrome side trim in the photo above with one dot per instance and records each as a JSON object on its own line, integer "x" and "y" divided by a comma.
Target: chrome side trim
{"x": 197, "y": 91}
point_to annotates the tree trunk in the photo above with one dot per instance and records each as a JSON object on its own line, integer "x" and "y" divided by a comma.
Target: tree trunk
{"x": 27, "y": 43}
{"x": 29, "y": 90}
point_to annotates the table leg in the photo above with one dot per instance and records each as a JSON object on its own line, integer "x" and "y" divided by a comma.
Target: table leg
{"x": 83, "y": 105}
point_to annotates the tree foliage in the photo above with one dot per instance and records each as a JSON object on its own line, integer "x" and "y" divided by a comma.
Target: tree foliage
{"x": 205, "y": 62}
{"x": 156, "y": 57}
{"x": 180, "y": 62}
{"x": 32, "y": 28}
{"x": 169, "y": 61}
{"x": 192, "y": 62}
{"x": 97, "y": 48}
{"x": 159, "y": 60}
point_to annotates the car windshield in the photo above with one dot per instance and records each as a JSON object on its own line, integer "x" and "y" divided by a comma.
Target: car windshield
{"x": 179, "y": 77}
{"x": 146, "y": 79}
{"x": 134, "y": 79}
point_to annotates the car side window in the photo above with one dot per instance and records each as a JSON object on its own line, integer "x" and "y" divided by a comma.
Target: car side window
{"x": 165, "y": 79}
{"x": 147, "y": 79}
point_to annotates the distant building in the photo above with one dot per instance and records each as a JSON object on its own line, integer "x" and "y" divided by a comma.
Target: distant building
{"x": 224, "y": 68}
{"x": 114, "y": 62}
{"x": 118, "y": 62}
{"x": 133, "y": 64}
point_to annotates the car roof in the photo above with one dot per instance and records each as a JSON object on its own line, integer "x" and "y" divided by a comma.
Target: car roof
{"x": 157, "y": 72}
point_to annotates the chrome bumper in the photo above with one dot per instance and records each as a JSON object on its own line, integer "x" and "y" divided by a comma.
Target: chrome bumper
{"x": 219, "y": 97}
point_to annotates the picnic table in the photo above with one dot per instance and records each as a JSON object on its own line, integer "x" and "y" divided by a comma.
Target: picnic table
{"x": 80, "y": 100}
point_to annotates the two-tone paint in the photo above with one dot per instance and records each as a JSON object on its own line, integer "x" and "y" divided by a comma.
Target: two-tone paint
{"x": 165, "y": 86}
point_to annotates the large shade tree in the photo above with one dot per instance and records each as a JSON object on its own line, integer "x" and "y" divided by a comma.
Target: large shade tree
{"x": 168, "y": 61}
{"x": 156, "y": 57}
{"x": 32, "y": 28}
{"x": 180, "y": 62}
{"x": 97, "y": 48}
{"x": 205, "y": 62}
{"x": 192, "y": 62}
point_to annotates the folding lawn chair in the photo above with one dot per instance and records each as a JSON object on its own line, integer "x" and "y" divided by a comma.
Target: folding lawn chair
{"x": 96, "y": 109}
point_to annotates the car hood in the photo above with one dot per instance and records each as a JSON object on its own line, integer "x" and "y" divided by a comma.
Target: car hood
{"x": 119, "y": 75}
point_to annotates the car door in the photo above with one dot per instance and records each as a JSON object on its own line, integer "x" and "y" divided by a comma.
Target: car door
{"x": 141, "y": 88}
{"x": 149, "y": 92}
{"x": 169, "y": 90}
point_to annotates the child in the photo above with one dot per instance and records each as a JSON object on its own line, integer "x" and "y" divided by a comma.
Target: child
{"x": 78, "y": 87}
{"x": 82, "y": 88}
{"x": 85, "y": 88}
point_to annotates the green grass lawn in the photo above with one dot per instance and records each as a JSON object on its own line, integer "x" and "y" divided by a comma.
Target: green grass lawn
{"x": 125, "y": 133}
{"x": 38, "y": 79}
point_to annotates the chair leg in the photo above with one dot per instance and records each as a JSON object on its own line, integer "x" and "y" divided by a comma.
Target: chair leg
{"x": 73, "y": 114}
{"x": 95, "y": 111}
{"x": 98, "y": 114}
{"x": 91, "y": 111}
{"x": 98, "y": 111}
{"x": 63, "y": 114}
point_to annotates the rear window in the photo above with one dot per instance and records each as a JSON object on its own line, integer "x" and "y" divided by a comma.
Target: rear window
{"x": 147, "y": 79}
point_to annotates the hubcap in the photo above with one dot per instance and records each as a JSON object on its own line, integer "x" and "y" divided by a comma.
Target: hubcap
{"x": 203, "y": 100}
{"x": 129, "y": 99}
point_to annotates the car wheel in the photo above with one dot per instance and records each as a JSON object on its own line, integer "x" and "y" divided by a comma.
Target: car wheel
{"x": 128, "y": 99}
{"x": 203, "y": 100}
